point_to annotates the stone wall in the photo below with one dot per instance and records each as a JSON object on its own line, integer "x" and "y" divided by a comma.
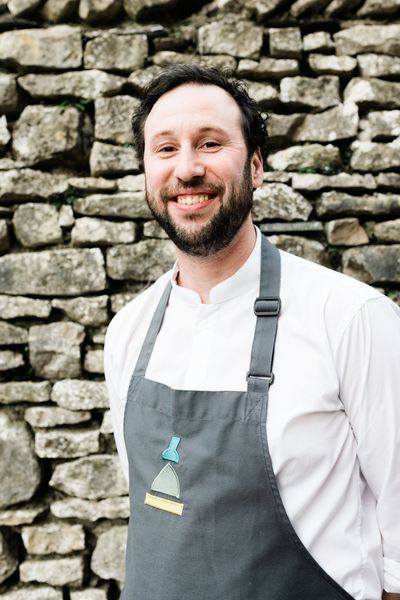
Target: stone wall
{"x": 77, "y": 240}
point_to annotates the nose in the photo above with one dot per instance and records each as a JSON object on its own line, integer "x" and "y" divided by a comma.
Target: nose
{"x": 189, "y": 164}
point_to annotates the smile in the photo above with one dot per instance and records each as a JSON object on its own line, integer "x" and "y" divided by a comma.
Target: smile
{"x": 189, "y": 200}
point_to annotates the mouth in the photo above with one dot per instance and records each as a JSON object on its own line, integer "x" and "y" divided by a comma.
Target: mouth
{"x": 191, "y": 199}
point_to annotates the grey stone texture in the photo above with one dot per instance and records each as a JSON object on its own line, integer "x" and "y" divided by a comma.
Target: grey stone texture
{"x": 300, "y": 246}
{"x": 378, "y": 65}
{"x": 331, "y": 204}
{"x": 10, "y": 360}
{"x": 54, "y": 349}
{"x": 378, "y": 125}
{"x": 318, "y": 41}
{"x": 78, "y": 394}
{"x": 4, "y": 238}
{"x": 337, "y": 123}
{"x": 264, "y": 94}
{"x": 107, "y": 159}
{"x": 37, "y": 592}
{"x": 91, "y": 510}
{"x": 128, "y": 205}
{"x": 94, "y": 11}
{"x": 13, "y": 392}
{"x": 244, "y": 40}
{"x": 375, "y": 157}
{"x": 310, "y": 156}
{"x": 36, "y": 225}
{"x": 144, "y": 261}
{"x": 90, "y": 84}
{"x": 12, "y": 307}
{"x": 267, "y": 68}
{"x": 5, "y": 135}
{"x": 89, "y": 231}
{"x": 53, "y": 538}
{"x": 19, "y": 185}
{"x": 84, "y": 310}
{"x": 91, "y": 477}
{"x": 373, "y": 8}
{"x": 329, "y": 64}
{"x": 56, "y": 11}
{"x": 8, "y": 560}
{"x": 382, "y": 39}
{"x": 279, "y": 201}
{"x": 312, "y": 182}
{"x": 373, "y": 264}
{"x": 58, "y": 48}
{"x": 66, "y": 443}
{"x": 12, "y": 335}
{"x": 94, "y": 361}
{"x": 306, "y": 92}
{"x": 346, "y": 232}
{"x": 19, "y": 467}
{"x": 46, "y": 133}
{"x": 219, "y": 61}
{"x": 65, "y": 272}
{"x": 21, "y": 516}
{"x": 53, "y": 571}
{"x": 21, "y": 8}
{"x": 8, "y": 93}
{"x": 108, "y": 559}
{"x": 285, "y": 42}
{"x": 373, "y": 93}
{"x": 113, "y": 119}
{"x": 116, "y": 52}
{"x": 388, "y": 231}
{"x": 52, "y": 416}
{"x": 91, "y": 594}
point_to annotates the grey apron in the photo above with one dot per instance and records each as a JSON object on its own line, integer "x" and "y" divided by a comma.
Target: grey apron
{"x": 207, "y": 521}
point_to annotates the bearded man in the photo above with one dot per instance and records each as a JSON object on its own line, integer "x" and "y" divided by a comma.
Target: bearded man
{"x": 254, "y": 395}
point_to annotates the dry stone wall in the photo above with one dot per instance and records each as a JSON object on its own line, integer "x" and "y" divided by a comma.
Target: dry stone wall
{"x": 77, "y": 240}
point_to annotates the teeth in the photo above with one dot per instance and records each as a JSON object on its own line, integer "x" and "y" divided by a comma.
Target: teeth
{"x": 188, "y": 200}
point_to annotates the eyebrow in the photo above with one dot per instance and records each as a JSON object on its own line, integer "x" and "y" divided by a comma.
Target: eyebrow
{"x": 204, "y": 129}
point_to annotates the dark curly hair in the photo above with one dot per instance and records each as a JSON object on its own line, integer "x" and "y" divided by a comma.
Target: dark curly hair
{"x": 254, "y": 124}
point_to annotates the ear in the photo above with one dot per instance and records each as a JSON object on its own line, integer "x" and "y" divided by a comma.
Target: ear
{"x": 257, "y": 169}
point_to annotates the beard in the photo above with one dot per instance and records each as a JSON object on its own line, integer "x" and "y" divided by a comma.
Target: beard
{"x": 219, "y": 232}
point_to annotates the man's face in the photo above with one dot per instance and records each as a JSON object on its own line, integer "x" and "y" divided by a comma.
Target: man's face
{"x": 199, "y": 178}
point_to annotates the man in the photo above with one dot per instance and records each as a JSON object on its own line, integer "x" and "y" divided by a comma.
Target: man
{"x": 235, "y": 496}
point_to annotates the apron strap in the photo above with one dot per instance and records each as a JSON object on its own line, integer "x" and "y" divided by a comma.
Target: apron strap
{"x": 266, "y": 308}
{"x": 152, "y": 333}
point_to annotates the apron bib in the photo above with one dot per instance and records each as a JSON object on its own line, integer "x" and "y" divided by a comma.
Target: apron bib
{"x": 207, "y": 521}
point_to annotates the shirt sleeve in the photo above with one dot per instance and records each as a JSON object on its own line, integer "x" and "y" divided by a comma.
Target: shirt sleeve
{"x": 368, "y": 359}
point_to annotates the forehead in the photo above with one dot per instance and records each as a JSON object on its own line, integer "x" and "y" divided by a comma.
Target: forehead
{"x": 195, "y": 106}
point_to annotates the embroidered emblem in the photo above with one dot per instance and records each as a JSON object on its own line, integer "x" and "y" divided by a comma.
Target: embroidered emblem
{"x": 163, "y": 504}
{"x": 171, "y": 453}
{"x": 167, "y": 482}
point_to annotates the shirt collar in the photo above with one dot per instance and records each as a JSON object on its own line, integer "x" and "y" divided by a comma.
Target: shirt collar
{"x": 247, "y": 277}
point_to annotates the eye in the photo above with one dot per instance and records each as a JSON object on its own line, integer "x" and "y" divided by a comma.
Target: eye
{"x": 166, "y": 149}
{"x": 211, "y": 145}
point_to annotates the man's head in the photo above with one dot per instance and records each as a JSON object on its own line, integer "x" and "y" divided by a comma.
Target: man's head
{"x": 201, "y": 162}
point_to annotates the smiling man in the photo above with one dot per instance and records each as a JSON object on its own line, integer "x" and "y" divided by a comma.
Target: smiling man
{"x": 254, "y": 395}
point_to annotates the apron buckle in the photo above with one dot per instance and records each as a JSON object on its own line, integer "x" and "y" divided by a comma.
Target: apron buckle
{"x": 269, "y": 306}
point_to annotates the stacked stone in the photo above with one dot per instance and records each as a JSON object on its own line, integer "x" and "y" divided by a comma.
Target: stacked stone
{"x": 77, "y": 240}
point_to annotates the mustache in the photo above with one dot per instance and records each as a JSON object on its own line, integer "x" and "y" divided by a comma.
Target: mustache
{"x": 197, "y": 183}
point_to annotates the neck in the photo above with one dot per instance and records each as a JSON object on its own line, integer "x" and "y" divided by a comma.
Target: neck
{"x": 201, "y": 274}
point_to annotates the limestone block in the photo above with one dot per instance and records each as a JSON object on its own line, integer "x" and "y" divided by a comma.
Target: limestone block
{"x": 322, "y": 92}
{"x": 108, "y": 558}
{"x": 388, "y": 180}
{"x": 323, "y": 64}
{"x": 140, "y": 9}
{"x": 66, "y": 272}
{"x": 22, "y": 8}
{"x": 89, "y": 84}
{"x": 219, "y": 61}
{"x": 318, "y": 41}
{"x": 151, "y": 229}
{"x": 119, "y": 300}
{"x": 373, "y": 8}
{"x": 285, "y": 42}
{"x": 380, "y": 124}
{"x": 45, "y": 133}
{"x": 300, "y": 6}
{"x": 373, "y": 264}
{"x": 8, "y": 93}
{"x": 313, "y": 182}
{"x": 279, "y": 201}
{"x": 131, "y": 183}
{"x": 277, "y": 176}
{"x": 141, "y": 78}
{"x": 19, "y": 185}
{"x": 84, "y": 310}
{"x": 106, "y": 159}
{"x": 346, "y": 232}
{"x": 268, "y": 68}
{"x": 90, "y": 510}
{"x": 54, "y": 571}
{"x": 94, "y": 11}
{"x": 92, "y": 594}
{"x": 78, "y": 394}
{"x": 10, "y": 360}
{"x": 19, "y": 467}
{"x": 265, "y": 94}
{"x": 114, "y": 52}
{"x": 372, "y": 156}
{"x": 382, "y": 39}
{"x": 237, "y": 38}
{"x": 94, "y": 361}
{"x": 91, "y": 477}
{"x": 130, "y": 205}
{"x": 12, "y": 392}
{"x": 12, "y": 307}
{"x": 337, "y": 123}
{"x": 303, "y": 247}
{"x": 113, "y": 119}
{"x": 36, "y": 224}
{"x": 106, "y": 425}
{"x": 93, "y": 184}
{"x": 58, "y": 48}
{"x": 37, "y": 592}
{"x": 338, "y": 7}
{"x": 90, "y": 232}
{"x": 4, "y": 239}
{"x": 66, "y": 442}
{"x": 8, "y": 560}
{"x": 21, "y": 516}
{"x": 309, "y": 156}
{"x": 53, "y": 538}
{"x": 51, "y": 416}
{"x": 378, "y": 65}
{"x": 296, "y": 227}
{"x": 57, "y": 11}
{"x": 54, "y": 349}
{"x": 4, "y": 133}
{"x": 66, "y": 216}
{"x": 388, "y": 231}
{"x": 11, "y": 335}
{"x": 144, "y": 261}
{"x": 373, "y": 93}
{"x": 332, "y": 204}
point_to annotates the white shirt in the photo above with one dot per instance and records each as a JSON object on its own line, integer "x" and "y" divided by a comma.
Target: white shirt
{"x": 334, "y": 413}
